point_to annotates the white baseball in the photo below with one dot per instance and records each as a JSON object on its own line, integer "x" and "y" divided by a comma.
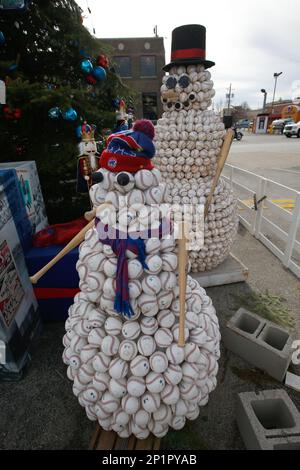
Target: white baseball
{"x": 166, "y": 319}
{"x": 135, "y": 269}
{"x": 110, "y": 345}
{"x": 139, "y": 366}
{"x": 146, "y": 345}
{"x": 170, "y": 394}
{"x": 141, "y": 418}
{"x": 190, "y": 372}
{"x": 100, "y": 381}
{"x": 135, "y": 196}
{"x": 117, "y": 387}
{"x": 178, "y": 422}
{"x": 163, "y": 337}
{"x": 169, "y": 261}
{"x": 110, "y": 267}
{"x": 135, "y": 288}
{"x": 149, "y": 325}
{"x": 85, "y": 373}
{"x": 109, "y": 403}
{"x": 188, "y": 391}
{"x": 96, "y": 336}
{"x": 173, "y": 374}
{"x": 130, "y": 404}
{"x": 109, "y": 287}
{"x": 191, "y": 352}
{"x": 131, "y": 330}
{"x": 88, "y": 352}
{"x": 151, "y": 284}
{"x": 162, "y": 415}
{"x": 158, "y": 362}
{"x": 150, "y": 402}
{"x": 168, "y": 280}
{"x": 77, "y": 343}
{"x": 198, "y": 336}
{"x": 164, "y": 299}
{"x": 113, "y": 326}
{"x": 152, "y": 246}
{"x": 144, "y": 179}
{"x": 191, "y": 320}
{"x": 155, "y": 382}
{"x": 118, "y": 368}
{"x": 147, "y": 303}
{"x": 101, "y": 362}
{"x": 128, "y": 350}
{"x": 136, "y": 386}
{"x": 175, "y": 354}
{"x": 91, "y": 394}
{"x": 154, "y": 263}
{"x": 154, "y": 195}
{"x": 121, "y": 417}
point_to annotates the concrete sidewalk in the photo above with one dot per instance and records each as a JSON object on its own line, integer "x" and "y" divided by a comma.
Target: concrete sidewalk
{"x": 40, "y": 412}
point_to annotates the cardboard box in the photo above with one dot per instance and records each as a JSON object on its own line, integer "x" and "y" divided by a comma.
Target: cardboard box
{"x": 56, "y": 289}
{"x": 31, "y": 192}
{"x": 19, "y": 316}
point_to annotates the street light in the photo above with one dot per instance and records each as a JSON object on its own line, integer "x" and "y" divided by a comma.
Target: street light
{"x": 276, "y": 75}
{"x": 265, "y": 98}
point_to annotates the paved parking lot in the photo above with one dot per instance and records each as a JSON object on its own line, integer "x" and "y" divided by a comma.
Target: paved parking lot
{"x": 272, "y": 156}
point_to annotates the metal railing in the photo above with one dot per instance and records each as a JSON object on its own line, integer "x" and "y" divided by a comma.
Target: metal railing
{"x": 275, "y": 226}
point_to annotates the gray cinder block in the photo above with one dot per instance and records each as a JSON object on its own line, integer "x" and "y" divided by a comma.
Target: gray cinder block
{"x": 260, "y": 342}
{"x": 268, "y": 420}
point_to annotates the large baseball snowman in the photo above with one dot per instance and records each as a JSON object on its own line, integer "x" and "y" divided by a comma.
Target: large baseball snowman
{"x": 188, "y": 140}
{"x": 121, "y": 341}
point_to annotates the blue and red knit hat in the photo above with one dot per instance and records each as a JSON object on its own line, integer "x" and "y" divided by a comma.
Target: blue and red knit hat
{"x": 131, "y": 150}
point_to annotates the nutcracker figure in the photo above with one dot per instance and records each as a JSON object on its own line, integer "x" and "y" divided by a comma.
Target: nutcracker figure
{"x": 88, "y": 160}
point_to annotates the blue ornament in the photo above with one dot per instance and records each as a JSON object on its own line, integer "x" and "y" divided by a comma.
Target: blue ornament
{"x": 2, "y": 38}
{"x": 115, "y": 103}
{"x": 12, "y": 67}
{"x": 54, "y": 113}
{"x": 78, "y": 131}
{"x": 70, "y": 115}
{"x": 86, "y": 66}
{"x": 99, "y": 73}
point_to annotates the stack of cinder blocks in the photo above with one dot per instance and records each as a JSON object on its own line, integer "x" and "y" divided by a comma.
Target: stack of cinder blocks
{"x": 268, "y": 420}
{"x": 260, "y": 342}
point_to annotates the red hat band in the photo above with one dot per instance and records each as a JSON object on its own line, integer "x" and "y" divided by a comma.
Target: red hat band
{"x": 187, "y": 53}
{"x": 115, "y": 163}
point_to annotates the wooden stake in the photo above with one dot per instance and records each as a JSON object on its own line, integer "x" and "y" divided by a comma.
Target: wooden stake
{"x": 182, "y": 275}
{"x": 220, "y": 165}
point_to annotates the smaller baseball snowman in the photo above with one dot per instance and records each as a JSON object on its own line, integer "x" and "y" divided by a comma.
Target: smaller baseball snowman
{"x": 122, "y": 333}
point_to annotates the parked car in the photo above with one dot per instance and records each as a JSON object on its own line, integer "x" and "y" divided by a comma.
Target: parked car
{"x": 279, "y": 124}
{"x": 243, "y": 124}
{"x": 292, "y": 129}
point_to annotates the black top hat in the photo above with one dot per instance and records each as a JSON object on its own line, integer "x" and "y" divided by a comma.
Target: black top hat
{"x": 188, "y": 46}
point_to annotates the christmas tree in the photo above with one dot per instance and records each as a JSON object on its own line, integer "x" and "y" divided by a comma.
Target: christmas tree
{"x": 41, "y": 51}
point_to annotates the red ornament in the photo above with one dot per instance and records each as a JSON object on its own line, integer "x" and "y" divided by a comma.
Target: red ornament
{"x": 12, "y": 114}
{"x": 17, "y": 113}
{"x": 91, "y": 80}
{"x": 102, "y": 60}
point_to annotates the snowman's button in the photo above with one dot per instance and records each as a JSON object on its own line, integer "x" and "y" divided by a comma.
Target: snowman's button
{"x": 171, "y": 82}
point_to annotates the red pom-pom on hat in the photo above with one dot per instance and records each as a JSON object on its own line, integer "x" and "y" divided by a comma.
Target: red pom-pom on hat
{"x": 145, "y": 126}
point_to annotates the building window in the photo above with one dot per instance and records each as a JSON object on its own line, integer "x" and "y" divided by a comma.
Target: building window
{"x": 123, "y": 66}
{"x": 150, "y": 106}
{"x": 148, "y": 66}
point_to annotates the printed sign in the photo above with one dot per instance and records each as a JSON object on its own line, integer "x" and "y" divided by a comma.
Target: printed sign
{"x": 11, "y": 290}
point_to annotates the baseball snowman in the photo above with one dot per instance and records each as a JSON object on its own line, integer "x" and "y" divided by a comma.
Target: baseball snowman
{"x": 189, "y": 137}
{"x": 122, "y": 332}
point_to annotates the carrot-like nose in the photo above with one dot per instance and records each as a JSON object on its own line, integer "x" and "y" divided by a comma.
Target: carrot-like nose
{"x": 170, "y": 95}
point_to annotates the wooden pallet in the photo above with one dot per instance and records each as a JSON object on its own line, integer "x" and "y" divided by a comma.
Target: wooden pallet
{"x": 232, "y": 270}
{"x": 109, "y": 440}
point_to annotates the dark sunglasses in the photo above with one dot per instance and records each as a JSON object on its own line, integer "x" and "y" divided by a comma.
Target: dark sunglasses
{"x": 183, "y": 82}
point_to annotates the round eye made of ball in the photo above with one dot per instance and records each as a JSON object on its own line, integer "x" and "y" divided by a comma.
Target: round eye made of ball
{"x": 192, "y": 97}
{"x": 186, "y": 104}
{"x": 184, "y": 81}
{"x": 171, "y": 82}
{"x": 123, "y": 179}
{"x": 97, "y": 177}
{"x": 164, "y": 100}
{"x": 178, "y": 105}
{"x": 170, "y": 104}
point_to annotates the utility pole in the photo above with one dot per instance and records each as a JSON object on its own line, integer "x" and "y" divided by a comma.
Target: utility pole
{"x": 265, "y": 98}
{"x": 229, "y": 97}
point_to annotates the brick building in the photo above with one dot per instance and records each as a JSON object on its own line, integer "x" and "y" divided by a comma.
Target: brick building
{"x": 139, "y": 62}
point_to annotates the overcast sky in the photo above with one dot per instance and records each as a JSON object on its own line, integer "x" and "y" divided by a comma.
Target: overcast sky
{"x": 249, "y": 41}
